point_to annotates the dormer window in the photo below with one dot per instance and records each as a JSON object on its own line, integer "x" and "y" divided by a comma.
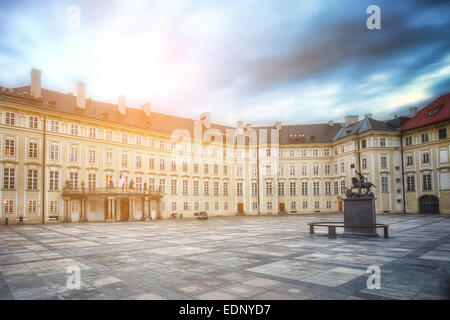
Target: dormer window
{"x": 435, "y": 111}
{"x": 10, "y": 118}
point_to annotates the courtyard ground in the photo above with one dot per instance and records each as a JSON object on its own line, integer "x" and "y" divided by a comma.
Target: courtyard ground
{"x": 225, "y": 258}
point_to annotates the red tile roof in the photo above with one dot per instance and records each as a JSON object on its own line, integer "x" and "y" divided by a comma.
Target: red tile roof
{"x": 436, "y": 111}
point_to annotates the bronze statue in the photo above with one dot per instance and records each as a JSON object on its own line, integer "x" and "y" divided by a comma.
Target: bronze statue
{"x": 361, "y": 183}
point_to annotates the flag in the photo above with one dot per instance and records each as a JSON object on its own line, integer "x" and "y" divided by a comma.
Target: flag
{"x": 121, "y": 179}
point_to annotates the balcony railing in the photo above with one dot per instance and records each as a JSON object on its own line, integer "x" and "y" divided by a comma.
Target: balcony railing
{"x": 126, "y": 191}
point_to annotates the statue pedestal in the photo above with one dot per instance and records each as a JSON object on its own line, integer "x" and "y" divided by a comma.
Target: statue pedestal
{"x": 360, "y": 213}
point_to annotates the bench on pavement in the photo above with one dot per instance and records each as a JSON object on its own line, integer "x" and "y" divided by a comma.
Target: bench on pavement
{"x": 333, "y": 225}
{"x": 24, "y": 219}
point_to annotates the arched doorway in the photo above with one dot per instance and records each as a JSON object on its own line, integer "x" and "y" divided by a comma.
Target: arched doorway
{"x": 428, "y": 204}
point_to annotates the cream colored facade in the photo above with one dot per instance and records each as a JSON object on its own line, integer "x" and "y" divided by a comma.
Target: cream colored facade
{"x": 194, "y": 176}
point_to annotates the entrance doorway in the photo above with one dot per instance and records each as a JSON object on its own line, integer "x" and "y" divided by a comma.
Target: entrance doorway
{"x": 124, "y": 210}
{"x": 341, "y": 207}
{"x": 240, "y": 208}
{"x": 429, "y": 204}
{"x": 281, "y": 207}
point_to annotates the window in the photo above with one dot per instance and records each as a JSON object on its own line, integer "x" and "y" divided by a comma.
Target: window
{"x": 174, "y": 166}
{"x": 32, "y": 206}
{"x": 109, "y": 158}
{"x": 173, "y": 186}
{"x": 268, "y": 152}
{"x": 304, "y": 188}
{"x": 73, "y": 154}
{"x": 54, "y": 152}
{"x": 185, "y": 187}
{"x": 408, "y": 141}
{"x": 304, "y": 153}
{"x": 151, "y": 163}
{"x": 225, "y": 170}
{"x": 293, "y": 205}
{"x": 9, "y": 176}
{"x": 92, "y": 181}
{"x": 342, "y": 167}
{"x": 327, "y": 187}
{"x": 10, "y": 118}
{"x": 185, "y": 167}
{"x": 280, "y": 153}
{"x": 185, "y": 206}
{"x": 409, "y": 160}
{"x": 269, "y": 205}
{"x": 216, "y": 188}
{"x": 109, "y": 135}
{"x": 196, "y": 188}
{"x": 426, "y": 157}
{"x": 327, "y": 169}
{"x": 336, "y": 187}
{"x": 292, "y": 188}
{"x": 442, "y": 133}
{"x": 292, "y": 169}
{"x": 73, "y": 180}
{"x": 328, "y": 204}
{"x": 32, "y": 150}
{"x": 426, "y": 179}
{"x": 124, "y": 138}
{"x": 443, "y": 155}
{"x": 281, "y": 188}
{"x": 424, "y": 137}
{"x": 196, "y": 206}
{"x": 225, "y": 188}
{"x": 10, "y": 147}
{"x": 239, "y": 188}
{"x": 54, "y": 126}
{"x": 383, "y": 162}
{"x": 410, "y": 183}
{"x": 205, "y": 168}
{"x": 161, "y": 144}
{"x": 53, "y": 206}
{"x": 124, "y": 161}
{"x": 254, "y": 189}
{"x": 280, "y": 170}
{"x": 138, "y": 140}
{"x": 335, "y": 168}
{"x": 195, "y": 167}
{"x": 316, "y": 188}
{"x": 8, "y": 206}
{"x": 33, "y": 122}
{"x": 316, "y": 205}
{"x": 364, "y": 144}
{"x": 327, "y": 152}
{"x": 138, "y": 162}
{"x": 384, "y": 184}
{"x": 53, "y": 180}
{"x": 32, "y": 179}
{"x": 316, "y": 169}
{"x": 161, "y": 164}
{"x": 216, "y": 169}
{"x": 206, "y": 188}
{"x": 92, "y": 156}
{"x": 206, "y": 206}
{"x": 315, "y": 152}
{"x": 304, "y": 170}
{"x": 292, "y": 153}
{"x": 342, "y": 186}
{"x": 269, "y": 188}
{"x": 150, "y": 143}
{"x": 255, "y": 205}
{"x": 382, "y": 142}
{"x": 74, "y": 129}
{"x": 268, "y": 169}
{"x": 305, "y": 204}
{"x": 92, "y": 206}
{"x": 139, "y": 183}
{"x": 364, "y": 163}
{"x": 162, "y": 185}
{"x": 151, "y": 184}
{"x": 92, "y": 132}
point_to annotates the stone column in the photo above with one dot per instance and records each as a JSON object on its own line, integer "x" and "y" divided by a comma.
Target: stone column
{"x": 109, "y": 210}
{"x": 113, "y": 210}
{"x": 131, "y": 209}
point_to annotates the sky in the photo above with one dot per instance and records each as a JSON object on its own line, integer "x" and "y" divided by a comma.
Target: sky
{"x": 255, "y": 61}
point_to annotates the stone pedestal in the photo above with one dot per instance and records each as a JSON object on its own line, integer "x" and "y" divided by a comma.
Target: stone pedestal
{"x": 360, "y": 213}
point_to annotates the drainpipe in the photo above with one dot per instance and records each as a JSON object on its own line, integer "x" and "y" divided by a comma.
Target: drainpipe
{"x": 44, "y": 169}
{"x": 403, "y": 173}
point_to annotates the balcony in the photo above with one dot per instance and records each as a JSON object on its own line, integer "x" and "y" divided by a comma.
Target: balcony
{"x": 128, "y": 191}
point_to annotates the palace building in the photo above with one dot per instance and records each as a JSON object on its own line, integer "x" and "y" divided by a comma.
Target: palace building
{"x": 67, "y": 158}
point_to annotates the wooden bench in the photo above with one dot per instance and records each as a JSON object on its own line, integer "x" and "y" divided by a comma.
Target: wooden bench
{"x": 333, "y": 225}
{"x": 52, "y": 219}
{"x": 24, "y": 219}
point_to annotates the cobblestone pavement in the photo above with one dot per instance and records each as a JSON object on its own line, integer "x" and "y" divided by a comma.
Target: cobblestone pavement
{"x": 225, "y": 258}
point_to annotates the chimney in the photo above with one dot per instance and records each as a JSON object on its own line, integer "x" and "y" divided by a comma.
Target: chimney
{"x": 205, "y": 118}
{"x": 147, "y": 109}
{"x": 330, "y": 123}
{"x": 35, "y": 83}
{"x": 368, "y": 116}
{"x": 81, "y": 95}
{"x": 121, "y": 105}
{"x": 349, "y": 120}
{"x": 412, "y": 112}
